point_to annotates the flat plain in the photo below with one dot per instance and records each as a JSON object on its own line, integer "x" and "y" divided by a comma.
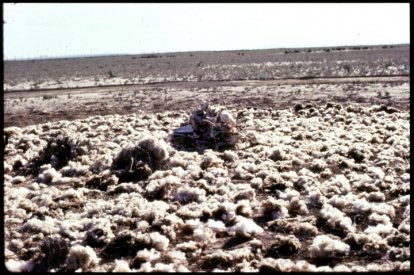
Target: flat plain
{"x": 319, "y": 181}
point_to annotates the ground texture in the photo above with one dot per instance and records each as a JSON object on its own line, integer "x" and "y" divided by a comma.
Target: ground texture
{"x": 319, "y": 180}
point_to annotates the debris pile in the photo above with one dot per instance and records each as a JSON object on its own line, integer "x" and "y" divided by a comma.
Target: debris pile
{"x": 210, "y": 127}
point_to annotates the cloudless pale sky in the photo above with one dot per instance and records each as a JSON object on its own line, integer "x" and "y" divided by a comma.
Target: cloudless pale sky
{"x": 41, "y": 29}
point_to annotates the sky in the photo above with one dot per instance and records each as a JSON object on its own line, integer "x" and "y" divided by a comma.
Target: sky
{"x": 33, "y": 30}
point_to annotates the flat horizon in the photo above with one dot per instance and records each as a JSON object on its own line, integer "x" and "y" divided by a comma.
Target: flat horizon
{"x": 74, "y": 56}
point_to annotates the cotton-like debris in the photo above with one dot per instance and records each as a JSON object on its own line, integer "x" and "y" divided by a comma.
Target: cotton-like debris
{"x": 204, "y": 234}
{"x": 245, "y": 227}
{"x": 335, "y": 218}
{"x": 381, "y": 229}
{"x": 81, "y": 257}
{"x": 114, "y": 188}
{"x": 49, "y": 175}
{"x": 47, "y": 226}
{"x": 338, "y": 185}
{"x": 324, "y": 246}
{"x": 306, "y": 229}
{"x": 159, "y": 241}
{"x": 146, "y": 256}
{"x": 274, "y": 209}
{"x": 377, "y": 218}
{"x": 121, "y": 266}
{"x": 161, "y": 267}
{"x": 297, "y": 206}
{"x": 216, "y": 226}
{"x": 19, "y": 266}
{"x": 177, "y": 256}
{"x": 230, "y": 156}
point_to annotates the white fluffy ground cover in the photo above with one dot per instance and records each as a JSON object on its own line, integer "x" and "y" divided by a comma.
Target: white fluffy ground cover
{"x": 320, "y": 189}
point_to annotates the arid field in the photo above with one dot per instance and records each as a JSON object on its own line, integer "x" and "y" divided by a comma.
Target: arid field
{"x": 318, "y": 180}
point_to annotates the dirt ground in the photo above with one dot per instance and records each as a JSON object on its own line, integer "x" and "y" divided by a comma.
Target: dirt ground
{"x": 27, "y": 108}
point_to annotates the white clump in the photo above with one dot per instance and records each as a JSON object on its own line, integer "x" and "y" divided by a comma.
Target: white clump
{"x": 161, "y": 267}
{"x": 339, "y": 201}
{"x": 316, "y": 197}
{"x": 170, "y": 180}
{"x": 182, "y": 268}
{"x": 159, "y": 241}
{"x": 275, "y": 209}
{"x": 298, "y": 206}
{"x": 381, "y": 229}
{"x": 210, "y": 160}
{"x": 405, "y": 226}
{"x": 148, "y": 255}
{"x": 288, "y": 194}
{"x": 245, "y": 227}
{"x": 47, "y": 226}
{"x": 341, "y": 268}
{"x": 323, "y": 268}
{"x": 49, "y": 175}
{"x": 244, "y": 208}
{"x": 204, "y": 234}
{"x": 216, "y": 226}
{"x": 336, "y": 218}
{"x": 306, "y": 229}
{"x": 376, "y": 172}
{"x": 318, "y": 165}
{"x": 19, "y": 266}
{"x": 383, "y": 208}
{"x": 121, "y": 266}
{"x": 377, "y": 218}
{"x": 361, "y": 206}
{"x": 177, "y": 256}
{"x": 81, "y": 257}
{"x": 405, "y": 266}
{"x": 227, "y": 118}
{"x": 145, "y": 267}
{"x": 338, "y": 185}
{"x": 189, "y": 246}
{"x": 304, "y": 266}
{"x": 284, "y": 265}
{"x": 230, "y": 156}
{"x": 323, "y": 246}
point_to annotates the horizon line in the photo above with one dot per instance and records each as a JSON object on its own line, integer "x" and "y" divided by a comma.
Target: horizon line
{"x": 75, "y": 56}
